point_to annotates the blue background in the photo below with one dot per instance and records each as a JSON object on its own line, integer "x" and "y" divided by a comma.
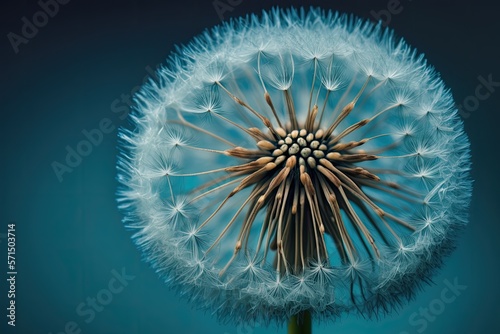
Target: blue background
{"x": 79, "y": 69}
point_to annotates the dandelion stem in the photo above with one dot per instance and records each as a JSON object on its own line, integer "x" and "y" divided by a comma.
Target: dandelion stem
{"x": 300, "y": 324}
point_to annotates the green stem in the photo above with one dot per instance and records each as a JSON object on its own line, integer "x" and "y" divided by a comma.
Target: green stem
{"x": 300, "y": 324}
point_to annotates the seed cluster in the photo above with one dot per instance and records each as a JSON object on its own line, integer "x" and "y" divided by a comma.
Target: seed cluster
{"x": 308, "y": 147}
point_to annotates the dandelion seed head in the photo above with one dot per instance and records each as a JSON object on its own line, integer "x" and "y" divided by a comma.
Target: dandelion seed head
{"x": 300, "y": 160}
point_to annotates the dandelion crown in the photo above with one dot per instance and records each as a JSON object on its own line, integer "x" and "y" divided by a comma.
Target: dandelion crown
{"x": 295, "y": 164}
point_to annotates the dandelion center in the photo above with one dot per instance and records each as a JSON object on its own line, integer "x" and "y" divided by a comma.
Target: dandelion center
{"x": 307, "y": 147}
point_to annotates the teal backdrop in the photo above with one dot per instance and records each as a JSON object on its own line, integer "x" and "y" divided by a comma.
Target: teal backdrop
{"x": 77, "y": 268}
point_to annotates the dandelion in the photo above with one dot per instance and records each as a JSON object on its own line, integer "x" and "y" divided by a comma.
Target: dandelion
{"x": 297, "y": 165}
